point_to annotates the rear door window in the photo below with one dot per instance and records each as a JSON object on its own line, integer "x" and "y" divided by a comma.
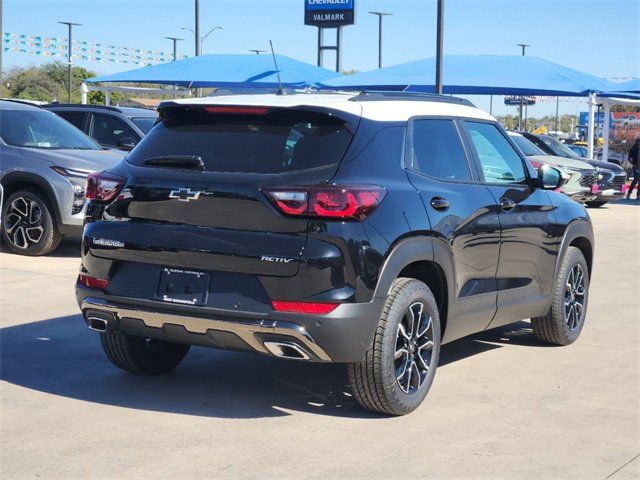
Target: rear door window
{"x": 258, "y": 141}
{"x": 77, "y": 119}
{"x": 437, "y": 150}
{"x": 107, "y": 130}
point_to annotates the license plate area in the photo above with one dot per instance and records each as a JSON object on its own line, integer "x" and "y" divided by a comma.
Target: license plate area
{"x": 185, "y": 287}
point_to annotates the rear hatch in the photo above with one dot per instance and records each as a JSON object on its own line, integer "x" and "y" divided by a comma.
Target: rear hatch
{"x": 194, "y": 194}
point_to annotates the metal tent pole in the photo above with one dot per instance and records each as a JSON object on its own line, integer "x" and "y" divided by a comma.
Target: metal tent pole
{"x": 605, "y": 132}
{"x": 590, "y": 128}
{"x": 439, "y": 34}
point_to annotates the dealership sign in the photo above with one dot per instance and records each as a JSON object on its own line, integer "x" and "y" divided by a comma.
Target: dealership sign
{"x": 516, "y": 100}
{"x": 329, "y": 13}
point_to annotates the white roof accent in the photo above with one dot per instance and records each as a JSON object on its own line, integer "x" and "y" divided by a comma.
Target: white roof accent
{"x": 389, "y": 110}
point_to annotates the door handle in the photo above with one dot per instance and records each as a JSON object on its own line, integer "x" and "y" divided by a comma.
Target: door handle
{"x": 507, "y": 204}
{"x": 439, "y": 203}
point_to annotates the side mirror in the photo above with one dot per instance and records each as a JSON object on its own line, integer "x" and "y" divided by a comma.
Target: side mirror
{"x": 126, "y": 143}
{"x": 550, "y": 178}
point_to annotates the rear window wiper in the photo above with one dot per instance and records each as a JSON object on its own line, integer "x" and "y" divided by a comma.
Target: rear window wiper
{"x": 190, "y": 162}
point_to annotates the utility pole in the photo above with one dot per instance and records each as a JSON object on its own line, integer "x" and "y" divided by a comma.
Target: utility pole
{"x": 439, "y": 33}
{"x": 69, "y": 55}
{"x": 380, "y": 15}
{"x": 196, "y": 32}
{"x": 175, "y": 41}
{"x": 524, "y": 48}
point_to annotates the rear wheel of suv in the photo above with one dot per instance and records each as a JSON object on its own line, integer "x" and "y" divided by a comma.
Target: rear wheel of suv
{"x": 398, "y": 369}
{"x": 28, "y": 224}
{"x": 142, "y": 355}
{"x": 564, "y": 322}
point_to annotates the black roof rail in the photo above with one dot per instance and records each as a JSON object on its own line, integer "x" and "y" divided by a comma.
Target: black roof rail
{"x": 80, "y": 105}
{"x": 378, "y": 95}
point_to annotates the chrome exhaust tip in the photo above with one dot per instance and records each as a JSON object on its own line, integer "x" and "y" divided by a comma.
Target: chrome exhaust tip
{"x": 97, "y": 324}
{"x": 289, "y": 350}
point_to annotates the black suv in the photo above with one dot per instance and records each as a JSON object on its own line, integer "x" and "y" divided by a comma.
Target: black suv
{"x": 367, "y": 229}
{"x": 111, "y": 127}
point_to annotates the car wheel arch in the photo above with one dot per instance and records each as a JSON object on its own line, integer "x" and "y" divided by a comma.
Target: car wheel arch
{"x": 579, "y": 234}
{"x": 424, "y": 258}
{"x": 14, "y": 181}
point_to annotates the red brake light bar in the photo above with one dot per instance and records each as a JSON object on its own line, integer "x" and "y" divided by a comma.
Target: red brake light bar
{"x": 90, "y": 282}
{"x": 333, "y": 202}
{"x": 232, "y": 110}
{"x": 304, "y": 307}
{"x": 103, "y": 186}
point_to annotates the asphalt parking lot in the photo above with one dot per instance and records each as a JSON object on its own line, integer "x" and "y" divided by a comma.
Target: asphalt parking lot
{"x": 502, "y": 405}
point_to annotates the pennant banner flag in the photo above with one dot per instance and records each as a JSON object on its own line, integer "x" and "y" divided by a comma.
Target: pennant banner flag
{"x": 82, "y": 50}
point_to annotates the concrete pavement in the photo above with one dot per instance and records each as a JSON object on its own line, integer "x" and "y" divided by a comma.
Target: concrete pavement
{"x": 502, "y": 405}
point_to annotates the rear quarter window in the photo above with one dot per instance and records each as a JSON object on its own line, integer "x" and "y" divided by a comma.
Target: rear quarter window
{"x": 277, "y": 141}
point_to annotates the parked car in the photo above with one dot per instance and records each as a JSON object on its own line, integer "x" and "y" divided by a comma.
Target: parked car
{"x": 553, "y": 147}
{"x": 113, "y": 127}
{"x": 395, "y": 223}
{"x": 580, "y": 177}
{"x": 580, "y": 150}
{"x": 611, "y": 178}
{"x": 45, "y": 163}
{"x": 628, "y": 121}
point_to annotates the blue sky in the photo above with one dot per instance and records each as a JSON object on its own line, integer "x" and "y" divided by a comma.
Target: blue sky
{"x": 601, "y": 37}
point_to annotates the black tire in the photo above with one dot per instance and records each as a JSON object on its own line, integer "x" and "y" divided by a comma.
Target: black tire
{"x": 28, "y": 226}
{"x": 595, "y": 204}
{"x": 558, "y": 327}
{"x": 375, "y": 380}
{"x": 141, "y": 355}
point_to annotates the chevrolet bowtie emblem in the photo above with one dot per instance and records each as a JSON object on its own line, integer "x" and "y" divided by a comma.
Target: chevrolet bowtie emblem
{"x": 184, "y": 195}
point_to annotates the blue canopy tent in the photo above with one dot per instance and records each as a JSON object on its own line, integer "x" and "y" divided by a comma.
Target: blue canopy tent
{"x": 632, "y": 86}
{"x": 483, "y": 75}
{"x": 226, "y": 71}
{"x": 478, "y": 75}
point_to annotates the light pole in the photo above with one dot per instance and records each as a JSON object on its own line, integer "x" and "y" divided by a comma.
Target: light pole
{"x": 380, "y": 15}
{"x": 175, "y": 41}
{"x": 204, "y": 37}
{"x": 524, "y": 47}
{"x": 69, "y": 55}
{"x": 257, "y": 51}
{"x": 439, "y": 34}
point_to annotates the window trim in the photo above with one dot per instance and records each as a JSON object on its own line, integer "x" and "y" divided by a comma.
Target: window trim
{"x": 525, "y": 164}
{"x": 409, "y": 154}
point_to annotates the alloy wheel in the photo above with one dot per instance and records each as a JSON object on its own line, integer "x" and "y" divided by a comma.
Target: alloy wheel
{"x": 23, "y": 223}
{"x": 414, "y": 348}
{"x": 574, "y": 297}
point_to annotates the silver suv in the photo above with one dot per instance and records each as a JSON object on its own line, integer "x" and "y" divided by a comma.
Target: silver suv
{"x": 44, "y": 164}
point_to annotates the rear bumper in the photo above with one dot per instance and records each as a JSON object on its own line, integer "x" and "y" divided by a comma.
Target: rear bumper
{"x": 341, "y": 336}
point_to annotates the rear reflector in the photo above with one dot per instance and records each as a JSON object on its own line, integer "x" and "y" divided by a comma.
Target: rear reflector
{"x": 304, "y": 307}
{"x": 103, "y": 186}
{"x": 90, "y": 282}
{"x": 333, "y": 202}
{"x": 231, "y": 110}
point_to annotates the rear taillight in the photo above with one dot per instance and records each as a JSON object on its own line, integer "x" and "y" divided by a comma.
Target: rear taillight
{"x": 304, "y": 307}
{"x": 335, "y": 202}
{"x": 103, "y": 186}
{"x": 91, "y": 282}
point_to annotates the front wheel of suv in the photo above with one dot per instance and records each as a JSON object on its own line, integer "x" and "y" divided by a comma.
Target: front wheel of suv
{"x": 143, "y": 356}
{"x": 398, "y": 368}
{"x": 28, "y": 226}
{"x": 564, "y": 321}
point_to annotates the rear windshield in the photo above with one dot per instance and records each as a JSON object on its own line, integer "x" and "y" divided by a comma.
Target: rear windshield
{"x": 273, "y": 141}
